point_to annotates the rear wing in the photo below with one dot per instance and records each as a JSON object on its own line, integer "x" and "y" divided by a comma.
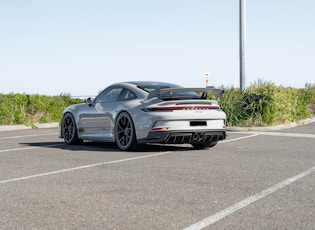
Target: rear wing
{"x": 161, "y": 93}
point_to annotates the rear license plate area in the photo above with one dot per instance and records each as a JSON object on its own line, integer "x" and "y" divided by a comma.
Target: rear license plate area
{"x": 198, "y": 123}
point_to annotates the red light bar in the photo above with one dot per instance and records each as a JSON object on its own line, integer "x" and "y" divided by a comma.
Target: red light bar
{"x": 171, "y": 108}
{"x": 159, "y": 128}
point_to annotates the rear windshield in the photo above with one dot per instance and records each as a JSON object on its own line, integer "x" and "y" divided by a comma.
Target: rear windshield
{"x": 151, "y": 87}
{"x": 170, "y": 95}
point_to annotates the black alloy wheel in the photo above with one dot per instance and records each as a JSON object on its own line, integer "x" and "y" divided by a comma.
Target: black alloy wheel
{"x": 69, "y": 130}
{"x": 125, "y": 135}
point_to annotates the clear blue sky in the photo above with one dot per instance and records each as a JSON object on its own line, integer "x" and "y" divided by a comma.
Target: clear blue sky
{"x": 80, "y": 47}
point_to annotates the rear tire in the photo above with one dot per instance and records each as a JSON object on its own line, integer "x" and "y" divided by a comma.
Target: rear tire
{"x": 204, "y": 145}
{"x": 198, "y": 145}
{"x": 69, "y": 130}
{"x": 211, "y": 144}
{"x": 125, "y": 135}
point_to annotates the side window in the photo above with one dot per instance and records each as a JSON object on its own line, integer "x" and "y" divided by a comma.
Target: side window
{"x": 127, "y": 95}
{"x": 109, "y": 95}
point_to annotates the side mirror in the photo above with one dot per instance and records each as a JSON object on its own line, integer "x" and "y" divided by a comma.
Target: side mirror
{"x": 88, "y": 101}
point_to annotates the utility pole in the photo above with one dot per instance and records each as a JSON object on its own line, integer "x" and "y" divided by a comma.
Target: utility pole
{"x": 242, "y": 43}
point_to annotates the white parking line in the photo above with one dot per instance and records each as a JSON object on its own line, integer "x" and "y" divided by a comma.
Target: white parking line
{"x": 27, "y": 148}
{"x": 34, "y": 135}
{"x": 307, "y": 135}
{"x": 240, "y": 138}
{"x": 81, "y": 167}
{"x": 235, "y": 207}
{"x": 84, "y": 166}
{"x": 199, "y": 225}
{"x": 35, "y": 147}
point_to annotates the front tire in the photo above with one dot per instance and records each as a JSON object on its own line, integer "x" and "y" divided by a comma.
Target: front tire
{"x": 69, "y": 130}
{"x": 125, "y": 135}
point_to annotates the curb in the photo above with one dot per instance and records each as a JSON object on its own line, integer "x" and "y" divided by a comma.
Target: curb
{"x": 232, "y": 129}
{"x": 21, "y": 127}
{"x": 272, "y": 128}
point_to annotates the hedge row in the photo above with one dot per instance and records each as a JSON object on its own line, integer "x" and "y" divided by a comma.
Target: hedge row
{"x": 263, "y": 104}
{"x": 30, "y": 109}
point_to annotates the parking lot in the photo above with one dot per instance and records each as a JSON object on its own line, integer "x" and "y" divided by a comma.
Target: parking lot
{"x": 251, "y": 180}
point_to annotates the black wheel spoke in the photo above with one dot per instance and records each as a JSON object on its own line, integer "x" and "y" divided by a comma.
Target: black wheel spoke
{"x": 69, "y": 130}
{"x": 124, "y": 131}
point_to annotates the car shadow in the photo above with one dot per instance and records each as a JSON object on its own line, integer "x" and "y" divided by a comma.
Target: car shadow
{"x": 112, "y": 147}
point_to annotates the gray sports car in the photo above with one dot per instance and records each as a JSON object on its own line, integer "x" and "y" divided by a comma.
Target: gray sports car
{"x": 133, "y": 113}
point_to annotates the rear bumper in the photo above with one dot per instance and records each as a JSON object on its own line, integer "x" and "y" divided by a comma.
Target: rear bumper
{"x": 181, "y": 137}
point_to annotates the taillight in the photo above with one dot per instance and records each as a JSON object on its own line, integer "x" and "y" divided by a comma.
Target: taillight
{"x": 159, "y": 128}
{"x": 172, "y": 108}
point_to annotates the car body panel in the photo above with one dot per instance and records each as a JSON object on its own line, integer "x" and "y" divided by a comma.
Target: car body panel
{"x": 155, "y": 119}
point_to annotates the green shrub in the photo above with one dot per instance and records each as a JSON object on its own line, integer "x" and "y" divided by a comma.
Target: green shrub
{"x": 232, "y": 103}
{"x": 13, "y": 108}
{"x": 290, "y": 104}
{"x": 30, "y": 109}
{"x": 309, "y": 98}
{"x": 261, "y": 104}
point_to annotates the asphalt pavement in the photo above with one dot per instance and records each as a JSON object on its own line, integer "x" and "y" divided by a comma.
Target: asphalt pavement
{"x": 251, "y": 180}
